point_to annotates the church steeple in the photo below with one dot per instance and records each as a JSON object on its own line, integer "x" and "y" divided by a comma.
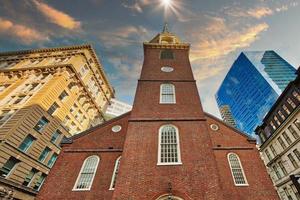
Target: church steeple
{"x": 165, "y": 29}
{"x": 166, "y": 37}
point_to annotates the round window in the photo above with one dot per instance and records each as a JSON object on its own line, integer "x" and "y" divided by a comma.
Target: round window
{"x": 116, "y": 128}
{"x": 167, "y": 69}
{"x": 214, "y": 127}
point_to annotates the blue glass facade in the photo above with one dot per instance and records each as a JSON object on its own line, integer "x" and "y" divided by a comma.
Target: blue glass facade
{"x": 252, "y": 85}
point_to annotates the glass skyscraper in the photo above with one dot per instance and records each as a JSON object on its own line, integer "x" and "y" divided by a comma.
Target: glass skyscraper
{"x": 252, "y": 85}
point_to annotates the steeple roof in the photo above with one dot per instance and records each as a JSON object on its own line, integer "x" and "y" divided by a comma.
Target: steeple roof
{"x": 166, "y": 37}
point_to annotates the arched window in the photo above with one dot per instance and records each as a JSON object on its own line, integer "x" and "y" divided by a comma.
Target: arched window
{"x": 167, "y": 93}
{"x": 237, "y": 171}
{"x": 168, "y": 146}
{"x": 87, "y": 173}
{"x": 166, "y": 54}
{"x": 115, "y": 174}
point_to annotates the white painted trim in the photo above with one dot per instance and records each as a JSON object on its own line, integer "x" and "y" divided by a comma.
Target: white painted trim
{"x": 12, "y": 170}
{"x": 246, "y": 184}
{"x": 114, "y": 174}
{"x": 159, "y": 147}
{"x": 78, "y": 177}
{"x": 160, "y": 94}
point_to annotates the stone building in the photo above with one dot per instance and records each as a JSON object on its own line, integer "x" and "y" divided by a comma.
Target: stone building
{"x": 280, "y": 136}
{"x": 165, "y": 148}
{"x": 45, "y": 94}
{"x": 227, "y": 115}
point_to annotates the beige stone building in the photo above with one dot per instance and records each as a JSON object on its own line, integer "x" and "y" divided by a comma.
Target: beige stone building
{"x": 45, "y": 95}
{"x": 280, "y": 137}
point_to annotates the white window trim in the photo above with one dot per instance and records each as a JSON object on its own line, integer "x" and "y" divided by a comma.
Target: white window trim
{"x": 178, "y": 147}
{"x": 160, "y": 94}
{"x": 114, "y": 174}
{"x": 246, "y": 184}
{"x": 78, "y": 177}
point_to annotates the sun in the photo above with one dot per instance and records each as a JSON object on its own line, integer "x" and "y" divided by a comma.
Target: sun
{"x": 166, "y": 3}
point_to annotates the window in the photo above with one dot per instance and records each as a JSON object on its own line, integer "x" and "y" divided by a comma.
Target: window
{"x": 286, "y": 109}
{"x": 297, "y": 153}
{"x": 278, "y": 174}
{"x": 29, "y": 177}
{"x": 19, "y": 99}
{"x": 291, "y": 103}
{"x": 293, "y": 161}
{"x": 295, "y": 191}
{"x": 237, "y": 171}
{"x": 273, "y": 150}
{"x": 52, "y": 160}
{"x": 272, "y": 125}
{"x": 281, "y": 115}
{"x": 281, "y": 143}
{"x": 63, "y": 95}
{"x": 166, "y": 54}
{"x": 297, "y": 124}
{"x": 167, "y": 93}
{"x": 287, "y": 193}
{"x": 277, "y": 121}
{"x": 3, "y": 87}
{"x": 287, "y": 138}
{"x": 55, "y": 136}
{"x": 282, "y": 168}
{"x": 39, "y": 182}
{"x": 296, "y": 95}
{"x": 169, "y": 148}
{"x": 44, "y": 154}
{"x": 8, "y": 166}
{"x": 268, "y": 154}
{"x": 6, "y": 114}
{"x": 27, "y": 142}
{"x": 115, "y": 174}
{"x": 293, "y": 132}
{"x": 87, "y": 173}
{"x": 41, "y": 124}
{"x": 53, "y": 108}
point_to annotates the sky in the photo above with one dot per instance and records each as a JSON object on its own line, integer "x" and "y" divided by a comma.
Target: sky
{"x": 217, "y": 30}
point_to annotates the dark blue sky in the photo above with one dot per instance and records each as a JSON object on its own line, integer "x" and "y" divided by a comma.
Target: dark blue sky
{"x": 218, "y": 31}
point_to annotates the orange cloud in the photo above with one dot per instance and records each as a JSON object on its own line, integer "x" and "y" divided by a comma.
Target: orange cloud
{"x": 57, "y": 17}
{"x": 260, "y": 12}
{"x": 226, "y": 43}
{"x": 25, "y": 34}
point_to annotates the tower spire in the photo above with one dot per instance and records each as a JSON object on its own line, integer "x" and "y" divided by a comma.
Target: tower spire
{"x": 165, "y": 29}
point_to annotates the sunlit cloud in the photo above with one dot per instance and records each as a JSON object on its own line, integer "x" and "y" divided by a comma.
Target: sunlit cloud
{"x": 260, "y": 12}
{"x": 257, "y": 13}
{"x": 57, "y": 17}
{"x": 23, "y": 33}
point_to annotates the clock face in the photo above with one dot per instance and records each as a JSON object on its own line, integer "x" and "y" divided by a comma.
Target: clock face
{"x": 167, "y": 69}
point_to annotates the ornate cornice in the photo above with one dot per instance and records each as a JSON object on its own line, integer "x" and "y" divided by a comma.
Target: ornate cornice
{"x": 166, "y": 46}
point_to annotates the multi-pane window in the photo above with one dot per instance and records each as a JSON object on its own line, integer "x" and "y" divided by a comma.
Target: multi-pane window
{"x": 268, "y": 154}
{"x": 295, "y": 191}
{"x": 291, "y": 103}
{"x": 282, "y": 167}
{"x": 55, "y": 136}
{"x": 87, "y": 173}
{"x": 278, "y": 174}
{"x": 277, "y": 121}
{"x": 285, "y": 108}
{"x": 52, "y": 160}
{"x": 63, "y": 95}
{"x": 115, "y": 174}
{"x": 167, "y": 93}
{"x": 237, "y": 171}
{"x": 293, "y": 161}
{"x": 41, "y": 124}
{"x": 27, "y": 142}
{"x": 53, "y": 108}
{"x": 18, "y": 99}
{"x": 169, "y": 149}
{"x": 297, "y": 153}
{"x": 281, "y": 115}
{"x": 44, "y": 154}
{"x": 29, "y": 177}
{"x": 296, "y": 95}
{"x": 287, "y": 138}
{"x": 8, "y": 166}
{"x": 287, "y": 193}
{"x": 293, "y": 132}
{"x": 282, "y": 144}
{"x": 297, "y": 124}
{"x": 39, "y": 182}
{"x": 166, "y": 54}
{"x": 272, "y": 125}
{"x": 273, "y": 150}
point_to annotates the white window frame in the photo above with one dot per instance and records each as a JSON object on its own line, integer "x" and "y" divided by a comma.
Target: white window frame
{"x": 160, "y": 94}
{"x": 246, "y": 182}
{"x": 117, "y": 166}
{"x": 159, "y": 147}
{"x": 92, "y": 180}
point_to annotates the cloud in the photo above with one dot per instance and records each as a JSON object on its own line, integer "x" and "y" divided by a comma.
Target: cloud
{"x": 229, "y": 41}
{"x": 257, "y": 13}
{"x": 57, "y": 17}
{"x": 23, "y": 33}
{"x": 138, "y": 5}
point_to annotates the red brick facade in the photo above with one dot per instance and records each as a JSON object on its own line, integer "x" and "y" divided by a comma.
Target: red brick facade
{"x": 204, "y": 173}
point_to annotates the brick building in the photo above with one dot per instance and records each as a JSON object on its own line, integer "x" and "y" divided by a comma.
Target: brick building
{"x": 165, "y": 148}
